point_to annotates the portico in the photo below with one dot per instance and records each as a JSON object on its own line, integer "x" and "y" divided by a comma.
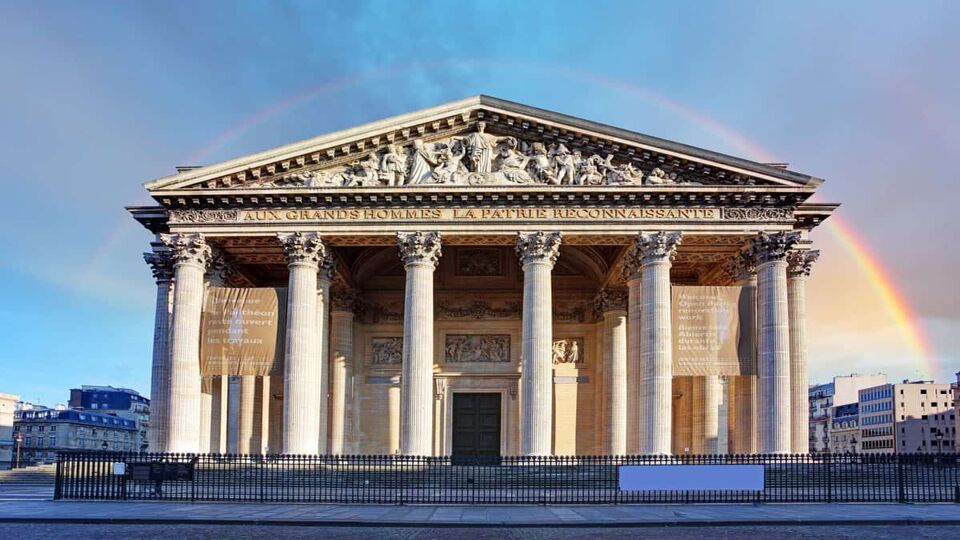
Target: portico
{"x": 487, "y": 248}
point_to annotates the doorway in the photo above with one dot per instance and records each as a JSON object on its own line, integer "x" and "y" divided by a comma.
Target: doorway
{"x": 476, "y": 428}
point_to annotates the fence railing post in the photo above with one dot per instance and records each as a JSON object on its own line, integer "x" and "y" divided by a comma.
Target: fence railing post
{"x": 901, "y": 488}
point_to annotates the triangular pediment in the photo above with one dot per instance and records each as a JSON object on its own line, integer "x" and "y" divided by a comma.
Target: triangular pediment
{"x": 476, "y": 142}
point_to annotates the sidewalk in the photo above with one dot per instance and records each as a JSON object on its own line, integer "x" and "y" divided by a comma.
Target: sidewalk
{"x": 477, "y": 516}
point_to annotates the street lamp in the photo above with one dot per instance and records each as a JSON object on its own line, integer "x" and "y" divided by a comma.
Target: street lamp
{"x": 939, "y": 441}
{"x": 18, "y": 438}
{"x": 104, "y": 446}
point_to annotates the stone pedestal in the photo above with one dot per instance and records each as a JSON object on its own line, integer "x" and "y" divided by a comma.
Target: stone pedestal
{"x": 538, "y": 253}
{"x": 302, "y": 367}
{"x": 656, "y": 251}
{"x": 190, "y": 254}
{"x": 773, "y": 348}
{"x": 799, "y": 264}
{"x": 162, "y": 266}
{"x": 420, "y": 253}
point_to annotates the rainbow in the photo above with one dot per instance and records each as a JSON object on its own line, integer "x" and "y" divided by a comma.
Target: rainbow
{"x": 895, "y": 302}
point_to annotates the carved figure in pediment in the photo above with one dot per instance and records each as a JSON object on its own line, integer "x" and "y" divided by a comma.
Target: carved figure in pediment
{"x": 450, "y": 169}
{"x": 365, "y": 172}
{"x": 565, "y": 163}
{"x": 511, "y": 163}
{"x": 619, "y": 175}
{"x": 590, "y": 171}
{"x": 481, "y": 148}
{"x": 393, "y": 166}
{"x": 541, "y": 165}
{"x": 422, "y": 161}
{"x": 658, "y": 177}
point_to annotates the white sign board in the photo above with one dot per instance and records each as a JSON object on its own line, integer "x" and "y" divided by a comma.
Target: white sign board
{"x": 691, "y": 478}
{"x": 119, "y": 468}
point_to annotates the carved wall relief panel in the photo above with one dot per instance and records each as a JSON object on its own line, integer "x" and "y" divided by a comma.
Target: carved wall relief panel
{"x": 479, "y": 262}
{"x": 568, "y": 351}
{"x": 462, "y": 348}
{"x": 386, "y": 351}
{"x": 479, "y": 310}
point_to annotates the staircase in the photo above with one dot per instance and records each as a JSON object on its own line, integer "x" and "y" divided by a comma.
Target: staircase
{"x": 36, "y": 475}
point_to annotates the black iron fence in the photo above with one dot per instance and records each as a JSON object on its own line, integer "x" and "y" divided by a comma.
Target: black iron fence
{"x": 520, "y": 480}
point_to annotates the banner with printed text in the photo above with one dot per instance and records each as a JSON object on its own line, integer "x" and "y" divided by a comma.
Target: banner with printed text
{"x": 242, "y": 331}
{"x": 707, "y": 331}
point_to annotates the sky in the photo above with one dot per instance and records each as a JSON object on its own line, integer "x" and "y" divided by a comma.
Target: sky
{"x": 100, "y": 97}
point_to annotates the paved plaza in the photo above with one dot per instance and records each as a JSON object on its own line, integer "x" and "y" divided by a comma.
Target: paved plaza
{"x": 475, "y": 516}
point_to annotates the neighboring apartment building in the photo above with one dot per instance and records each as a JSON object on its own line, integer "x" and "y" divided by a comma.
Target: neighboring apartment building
{"x": 842, "y": 390}
{"x": 44, "y": 432}
{"x": 845, "y": 429}
{"x": 909, "y": 417}
{"x": 123, "y": 402}
{"x": 8, "y": 403}
{"x": 956, "y": 408}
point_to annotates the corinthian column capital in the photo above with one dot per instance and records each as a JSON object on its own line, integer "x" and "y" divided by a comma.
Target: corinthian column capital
{"x": 344, "y": 299}
{"x": 766, "y": 248}
{"x": 161, "y": 264}
{"x": 188, "y": 248}
{"x": 611, "y": 299}
{"x": 741, "y": 267}
{"x": 419, "y": 248}
{"x": 538, "y": 247}
{"x": 302, "y": 248}
{"x": 657, "y": 246}
{"x": 800, "y": 262}
{"x": 328, "y": 266}
{"x": 220, "y": 269}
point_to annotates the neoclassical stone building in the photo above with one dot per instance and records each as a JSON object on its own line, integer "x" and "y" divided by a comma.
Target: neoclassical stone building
{"x": 484, "y": 278}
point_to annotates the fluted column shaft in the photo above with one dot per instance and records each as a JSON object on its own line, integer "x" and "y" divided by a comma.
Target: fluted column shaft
{"x": 799, "y": 264}
{"x": 302, "y": 367}
{"x": 246, "y": 429}
{"x": 773, "y": 343}
{"x": 615, "y": 379}
{"x": 162, "y": 267}
{"x": 712, "y": 399}
{"x": 634, "y": 288}
{"x": 323, "y": 334}
{"x": 341, "y": 359}
{"x": 206, "y": 413}
{"x": 233, "y": 414}
{"x": 420, "y": 253}
{"x": 747, "y": 386}
{"x": 191, "y": 255}
{"x": 538, "y": 253}
{"x": 656, "y": 346}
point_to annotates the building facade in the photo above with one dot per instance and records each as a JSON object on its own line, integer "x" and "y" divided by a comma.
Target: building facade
{"x": 8, "y": 404}
{"x": 826, "y": 398}
{"x": 844, "y": 437}
{"x": 907, "y": 418}
{"x": 123, "y": 402}
{"x": 44, "y": 432}
{"x": 484, "y": 277}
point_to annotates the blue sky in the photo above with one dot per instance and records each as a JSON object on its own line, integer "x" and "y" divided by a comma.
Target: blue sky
{"x": 100, "y": 97}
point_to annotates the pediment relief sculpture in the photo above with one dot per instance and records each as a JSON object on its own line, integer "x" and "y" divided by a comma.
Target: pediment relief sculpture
{"x": 479, "y": 159}
{"x": 568, "y": 351}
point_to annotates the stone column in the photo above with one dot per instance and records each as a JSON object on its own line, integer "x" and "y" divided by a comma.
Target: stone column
{"x": 233, "y": 414}
{"x": 324, "y": 278}
{"x": 217, "y": 431}
{"x": 302, "y": 366}
{"x": 538, "y": 253}
{"x": 420, "y": 253}
{"x": 773, "y": 349}
{"x": 631, "y": 273}
{"x": 246, "y": 426}
{"x": 343, "y": 302}
{"x": 799, "y": 264}
{"x": 743, "y": 270}
{"x": 712, "y": 401}
{"x": 190, "y": 254}
{"x": 656, "y": 251}
{"x": 206, "y": 412}
{"x": 612, "y": 304}
{"x": 162, "y": 266}
{"x": 265, "y": 413}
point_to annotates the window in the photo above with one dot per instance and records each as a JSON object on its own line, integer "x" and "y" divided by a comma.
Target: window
{"x": 29, "y": 428}
{"x": 53, "y": 428}
{"x": 28, "y": 441}
{"x": 39, "y": 428}
{"x": 53, "y": 441}
{"x": 923, "y": 391}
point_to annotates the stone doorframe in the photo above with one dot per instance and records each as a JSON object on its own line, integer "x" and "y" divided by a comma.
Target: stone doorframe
{"x": 505, "y": 385}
